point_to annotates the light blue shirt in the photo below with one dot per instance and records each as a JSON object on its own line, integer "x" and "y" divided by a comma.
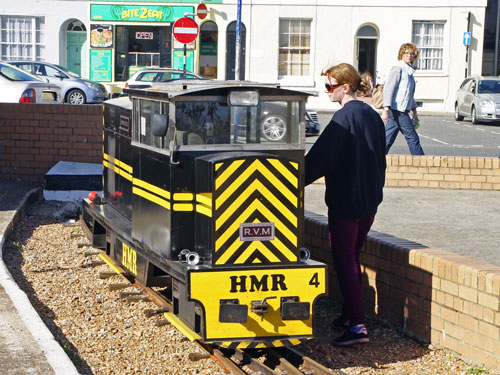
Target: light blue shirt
{"x": 399, "y": 88}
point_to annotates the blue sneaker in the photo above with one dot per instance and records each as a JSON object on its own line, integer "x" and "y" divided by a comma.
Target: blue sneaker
{"x": 354, "y": 335}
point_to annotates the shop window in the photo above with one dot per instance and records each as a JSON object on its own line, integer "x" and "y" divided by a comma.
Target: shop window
{"x": 294, "y": 47}
{"x": 429, "y": 39}
{"x": 22, "y": 38}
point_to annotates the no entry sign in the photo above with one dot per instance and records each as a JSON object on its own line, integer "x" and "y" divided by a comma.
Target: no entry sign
{"x": 201, "y": 11}
{"x": 185, "y": 30}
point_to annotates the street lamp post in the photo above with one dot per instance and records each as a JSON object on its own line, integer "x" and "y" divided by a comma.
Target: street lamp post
{"x": 238, "y": 42}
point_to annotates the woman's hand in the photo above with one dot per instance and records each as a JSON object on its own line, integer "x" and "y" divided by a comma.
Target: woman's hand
{"x": 414, "y": 114}
{"x": 385, "y": 115}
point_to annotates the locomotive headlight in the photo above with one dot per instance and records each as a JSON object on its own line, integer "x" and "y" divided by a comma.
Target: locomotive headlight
{"x": 243, "y": 98}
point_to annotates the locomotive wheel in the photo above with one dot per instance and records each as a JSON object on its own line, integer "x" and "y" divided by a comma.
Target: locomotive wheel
{"x": 274, "y": 128}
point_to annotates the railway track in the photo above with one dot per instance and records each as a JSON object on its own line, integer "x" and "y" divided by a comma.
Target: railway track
{"x": 276, "y": 361}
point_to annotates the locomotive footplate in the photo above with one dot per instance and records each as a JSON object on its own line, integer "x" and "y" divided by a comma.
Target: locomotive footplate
{"x": 239, "y": 305}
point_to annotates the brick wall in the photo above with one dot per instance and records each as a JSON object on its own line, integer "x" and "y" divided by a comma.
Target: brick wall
{"x": 434, "y": 295}
{"x": 447, "y": 172}
{"x": 34, "y": 137}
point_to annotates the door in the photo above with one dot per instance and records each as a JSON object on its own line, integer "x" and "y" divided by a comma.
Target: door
{"x": 367, "y": 37}
{"x": 231, "y": 51}
{"x": 75, "y": 42}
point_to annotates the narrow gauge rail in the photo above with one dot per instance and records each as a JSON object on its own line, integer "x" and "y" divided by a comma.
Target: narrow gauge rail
{"x": 268, "y": 361}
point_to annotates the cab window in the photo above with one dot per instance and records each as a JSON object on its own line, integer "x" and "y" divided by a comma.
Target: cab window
{"x": 271, "y": 122}
{"x": 143, "y": 122}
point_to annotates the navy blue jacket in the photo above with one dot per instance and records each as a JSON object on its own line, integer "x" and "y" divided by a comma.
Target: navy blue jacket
{"x": 350, "y": 154}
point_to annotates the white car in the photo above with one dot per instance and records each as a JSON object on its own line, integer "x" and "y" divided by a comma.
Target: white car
{"x": 479, "y": 98}
{"x": 18, "y": 86}
{"x": 146, "y": 78}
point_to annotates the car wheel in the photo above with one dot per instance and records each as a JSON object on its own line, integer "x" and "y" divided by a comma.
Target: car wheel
{"x": 458, "y": 117}
{"x": 274, "y": 128}
{"x": 76, "y": 96}
{"x": 473, "y": 115}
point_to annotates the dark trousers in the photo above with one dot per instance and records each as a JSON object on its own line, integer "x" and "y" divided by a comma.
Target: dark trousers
{"x": 346, "y": 239}
{"x": 401, "y": 122}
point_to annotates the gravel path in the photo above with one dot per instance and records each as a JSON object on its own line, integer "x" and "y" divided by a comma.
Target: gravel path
{"x": 104, "y": 335}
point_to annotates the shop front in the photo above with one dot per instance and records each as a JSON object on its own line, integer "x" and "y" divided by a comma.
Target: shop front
{"x": 126, "y": 38}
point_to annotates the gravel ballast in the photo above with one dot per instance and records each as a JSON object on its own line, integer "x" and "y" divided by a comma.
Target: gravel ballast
{"x": 105, "y": 335}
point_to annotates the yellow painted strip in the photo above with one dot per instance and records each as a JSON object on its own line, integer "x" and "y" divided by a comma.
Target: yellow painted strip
{"x": 117, "y": 170}
{"x": 296, "y": 341}
{"x": 255, "y": 206}
{"x": 255, "y": 186}
{"x": 256, "y": 166}
{"x": 145, "y": 185}
{"x": 204, "y": 210}
{"x": 227, "y": 173}
{"x": 295, "y": 165}
{"x": 172, "y": 318}
{"x": 150, "y": 197}
{"x": 205, "y": 198}
{"x": 285, "y": 172}
{"x": 284, "y": 250}
{"x": 119, "y": 163}
{"x": 183, "y": 196}
{"x": 183, "y": 207}
{"x": 111, "y": 264}
{"x": 252, "y": 248}
{"x": 218, "y": 165}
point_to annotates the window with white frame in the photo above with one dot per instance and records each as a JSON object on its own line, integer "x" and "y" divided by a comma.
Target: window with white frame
{"x": 428, "y": 36}
{"x": 22, "y": 38}
{"x": 294, "y": 47}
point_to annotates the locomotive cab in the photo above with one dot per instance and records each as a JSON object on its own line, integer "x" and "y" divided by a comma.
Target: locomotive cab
{"x": 204, "y": 190}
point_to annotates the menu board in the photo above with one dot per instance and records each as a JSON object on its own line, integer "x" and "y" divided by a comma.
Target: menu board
{"x": 101, "y": 65}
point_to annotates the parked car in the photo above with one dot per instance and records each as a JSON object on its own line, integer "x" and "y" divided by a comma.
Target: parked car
{"x": 76, "y": 90}
{"x": 479, "y": 98}
{"x": 312, "y": 123}
{"x": 18, "y": 86}
{"x": 146, "y": 78}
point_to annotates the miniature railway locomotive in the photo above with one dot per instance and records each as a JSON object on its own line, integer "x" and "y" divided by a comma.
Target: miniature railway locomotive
{"x": 203, "y": 194}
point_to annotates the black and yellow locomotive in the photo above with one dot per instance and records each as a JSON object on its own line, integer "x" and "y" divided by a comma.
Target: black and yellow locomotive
{"x": 203, "y": 192}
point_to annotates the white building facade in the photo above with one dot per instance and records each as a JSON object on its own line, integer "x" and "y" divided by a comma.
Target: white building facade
{"x": 283, "y": 41}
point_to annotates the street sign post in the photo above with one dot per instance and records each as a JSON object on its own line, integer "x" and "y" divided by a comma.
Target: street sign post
{"x": 185, "y": 31}
{"x": 202, "y": 11}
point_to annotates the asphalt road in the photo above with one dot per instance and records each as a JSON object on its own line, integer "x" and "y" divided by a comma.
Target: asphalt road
{"x": 442, "y": 135}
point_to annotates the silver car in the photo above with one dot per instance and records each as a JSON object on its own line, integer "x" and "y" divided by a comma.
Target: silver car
{"x": 18, "y": 86}
{"x": 147, "y": 77}
{"x": 76, "y": 90}
{"x": 479, "y": 98}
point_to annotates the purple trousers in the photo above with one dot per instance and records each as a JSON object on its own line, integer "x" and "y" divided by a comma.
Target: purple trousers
{"x": 346, "y": 240}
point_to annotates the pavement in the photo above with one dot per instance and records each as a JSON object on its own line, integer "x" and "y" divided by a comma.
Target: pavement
{"x": 462, "y": 221}
{"x": 26, "y": 344}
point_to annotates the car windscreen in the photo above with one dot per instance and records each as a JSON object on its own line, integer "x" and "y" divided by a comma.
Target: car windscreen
{"x": 15, "y": 74}
{"x": 201, "y": 122}
{"x": 65, "y": 70}
{"x": 489, "y": 86}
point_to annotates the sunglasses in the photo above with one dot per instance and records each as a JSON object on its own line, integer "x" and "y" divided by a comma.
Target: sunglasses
{"x": 330, "y": 88}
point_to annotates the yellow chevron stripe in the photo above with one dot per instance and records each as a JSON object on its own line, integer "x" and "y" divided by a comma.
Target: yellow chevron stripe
{"x": 256, "y": 245}
{"x": 218, "y": 165}
{"x": 256, "y": 205}
{"x": 146, "y": 185}
{"x": 204, "y": 210}
{"x": 256, "y": 165}
{"x": 227, "y": 173}
{"x": 255, "y": 186}
{"x": 150, "y": 197}
{"x": 205, "y": 198}
{"x": 285, "y": 172}
{"x": 183, "y": 196}
{"x": 295, "y": 165}
{"x": 119, "y": 163}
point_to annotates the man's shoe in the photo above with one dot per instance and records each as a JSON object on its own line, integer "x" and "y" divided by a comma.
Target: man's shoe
{"x": 354, "y": 335}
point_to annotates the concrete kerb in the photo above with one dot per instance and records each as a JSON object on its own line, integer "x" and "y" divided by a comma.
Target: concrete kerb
{"x": 56, "y": 356}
